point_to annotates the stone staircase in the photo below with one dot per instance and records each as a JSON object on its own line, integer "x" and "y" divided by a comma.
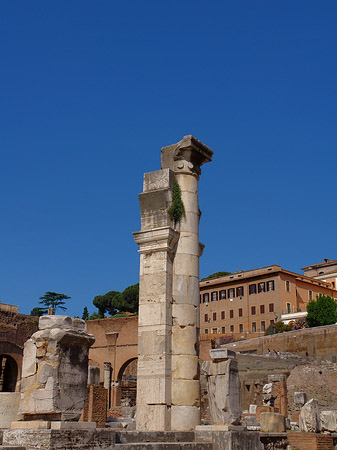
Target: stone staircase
{"x": 163, "y": 440}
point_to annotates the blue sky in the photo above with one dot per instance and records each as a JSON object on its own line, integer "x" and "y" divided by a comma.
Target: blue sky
{"x": 91, "y": 91}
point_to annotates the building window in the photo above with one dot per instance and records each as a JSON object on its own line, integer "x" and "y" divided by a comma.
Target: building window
{"x": 287, "y": 285}
{"x": 288, "y": 308}
{"x": 223, "y": 315}
{"x": 214, "y": 330}
{"x": 253, "y": 310}
{"x": 214, "y": 316}
{"x": 223, "y": 294}
{"x": 270, "y": 285}
{"x": 333, "y": 284}
{"x": 252, "y": 289}
{"x": 263, "y": 325}
{"x": 261, "y": 309}
{"x": 214, "y": 296}
{"x": 271, "y": 307}
{"x": 271, "y": 321}
{"x": 223, "y": 330}
{"x": 232, "y": 328}
{"x": 262, "y": 287}
{"x": 239, "y": 291}
{"x": 231, "y": 313}
{"x": 206, "y": 317}
{"x": 231, "y": 293}
{"x": 240, "y": 312}
{"x": 241, "y": 328}
{"x": 310, "y": 295}
{"x": 206, "y": 297}
{"x": 254, "y": 327}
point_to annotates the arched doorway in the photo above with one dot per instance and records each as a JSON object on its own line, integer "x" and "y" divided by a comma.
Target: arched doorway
{"x": 8, "y": 373}
{"x": 127, "y": 378}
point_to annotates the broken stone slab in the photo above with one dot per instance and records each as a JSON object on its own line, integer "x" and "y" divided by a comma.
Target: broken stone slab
{"x": 272, "y": 422}
{"x": 55, "y": 370}
{"x": 329, "y": 421}
{"x": 224, "y": 391}
{"x": 309, "y": 420}
{"x": 222, "y": 354}
{"x": 300, "y": 398}
{"x": 94, "y": 374}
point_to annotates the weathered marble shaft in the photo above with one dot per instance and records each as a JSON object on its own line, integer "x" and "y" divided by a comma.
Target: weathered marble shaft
{"x": 168, "y": 378}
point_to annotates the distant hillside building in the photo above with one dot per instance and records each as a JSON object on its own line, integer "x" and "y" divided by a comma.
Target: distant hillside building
{"x": 246, "y": 303}
{"x": 325, "y": 271}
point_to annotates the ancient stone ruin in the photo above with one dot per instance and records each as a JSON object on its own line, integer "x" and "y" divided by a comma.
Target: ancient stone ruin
{"x": 168, "y": 391}
{"x": 224, "y": 390}
{"x": 55, "y": 370}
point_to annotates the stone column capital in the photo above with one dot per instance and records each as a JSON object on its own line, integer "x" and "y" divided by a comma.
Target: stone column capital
{"x": 157, "y": 240}
{"x": 186, "y": 157}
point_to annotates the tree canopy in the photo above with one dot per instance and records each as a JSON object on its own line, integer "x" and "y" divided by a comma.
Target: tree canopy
{"x": 114, "y": 301}
{"x": 216, "y": 275}
{"x": 54, "y": 300}
{"x": 322, "y": 311}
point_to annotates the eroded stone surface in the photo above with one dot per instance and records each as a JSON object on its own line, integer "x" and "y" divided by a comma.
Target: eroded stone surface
{"x": 328, "y": 421}
{"x": 309, "y": 420}
{"x": 224, "y": 391}
{"x": 167, "y": 379}
{"x": 55, "y": 371}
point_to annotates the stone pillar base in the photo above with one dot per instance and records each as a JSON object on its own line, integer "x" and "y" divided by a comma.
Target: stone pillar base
{"x": 49, "y": 425}
{"x": 230, "y": 438}
{"x": 57, "y": 439}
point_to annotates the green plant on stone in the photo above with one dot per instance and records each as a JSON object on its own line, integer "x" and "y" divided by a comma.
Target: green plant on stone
{"x": 177, "y": 209}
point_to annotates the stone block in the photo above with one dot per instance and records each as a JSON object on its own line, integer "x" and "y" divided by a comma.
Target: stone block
{"x": 184, "y": 340}
{"x": 154, "y": 366}
{"x": 153, "y": 390}
{"x": 153, "y": 417}
{"x": 224, "y": 392}
{"x": 271, "y": 422}
{"x": 29, "y": 362}
{"x": 329, "y": 421}
{"x": 63, "y": 322}
{"x": 252, "y": 409}
{"x": 185, "y": 367}
{"x": 9, "y": 406}
{"x": 154, "y": 314}
{"x": 188, "y": 243}
{"x": 309, "y": 420}
{"x": 186, "y": 265}
{"x": 152, "y": 287}
{"x": 184, "y": 314}
{"x": 94, "y": 374}
{"x": 158, "y": 179}
{"x": 300, "y": 398}
{"x": 54, "y": 381}
{"x": 185, "y": 392}
{"x": 184, "y": 418}
{"x": 222, "y": 354}
{"x": 153, "y": 342}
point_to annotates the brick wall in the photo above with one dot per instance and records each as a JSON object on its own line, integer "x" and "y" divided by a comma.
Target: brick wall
{"x": 310, "y": 441}
{"x": 95, "y": 408}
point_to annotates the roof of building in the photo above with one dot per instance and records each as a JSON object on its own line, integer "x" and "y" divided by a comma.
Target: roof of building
{"x": 327, "y": 262}
{"x": 262, "y": 271}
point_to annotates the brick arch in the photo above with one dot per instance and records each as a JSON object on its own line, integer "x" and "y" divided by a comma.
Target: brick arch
{"x": 127, "y": 381}
{"x": 15, "y": 352}
{"x": 123, "y": 367}
{"x": 8, "y": 373}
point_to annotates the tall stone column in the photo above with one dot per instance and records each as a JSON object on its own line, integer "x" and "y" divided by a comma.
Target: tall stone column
{"x": 168, "y": 377}
{"x": 185, "y": 159}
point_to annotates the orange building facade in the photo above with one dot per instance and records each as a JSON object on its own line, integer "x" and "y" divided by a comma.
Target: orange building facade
{"x": 245, "y": 304}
